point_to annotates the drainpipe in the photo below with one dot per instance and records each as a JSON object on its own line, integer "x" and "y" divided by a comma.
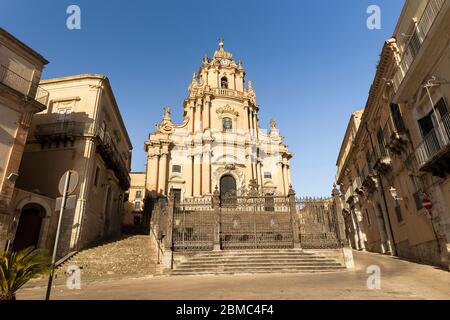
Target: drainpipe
{"x": 389, "y": 229}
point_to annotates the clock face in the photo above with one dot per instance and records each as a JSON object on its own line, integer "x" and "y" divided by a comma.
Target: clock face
{"x": 224, "y": 62}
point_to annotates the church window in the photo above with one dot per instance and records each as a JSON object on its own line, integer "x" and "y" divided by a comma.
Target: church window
{"x": 224, "y": 83}
{"x": 227, "y": 124}
{"x": 176, "y": 168}
{"x": 267, "y": 175}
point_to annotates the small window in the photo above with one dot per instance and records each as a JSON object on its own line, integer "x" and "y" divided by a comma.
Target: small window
{"x": 224, "y": 83}
{"x": 176, "y": 168}
{"x": 137, "y": 220}
{"x": 227, "y": 124}
{"x": 96, "y": 177}
{"x": 267, "y": 175}
{"x": 138, "y": 194}
{"x": 137, "y": 205}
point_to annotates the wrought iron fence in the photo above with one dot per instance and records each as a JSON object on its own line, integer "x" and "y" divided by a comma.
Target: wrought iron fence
{"x": 24, "y": 86}
{"x": 436, "y": 140}
{"x": 254, "y": 222}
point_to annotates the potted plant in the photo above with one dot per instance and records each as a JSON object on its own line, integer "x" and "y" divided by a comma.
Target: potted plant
{"x": 18, "y": 267}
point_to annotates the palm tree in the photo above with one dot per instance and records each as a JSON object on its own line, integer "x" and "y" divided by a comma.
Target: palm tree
{"x": 18, "y": 267}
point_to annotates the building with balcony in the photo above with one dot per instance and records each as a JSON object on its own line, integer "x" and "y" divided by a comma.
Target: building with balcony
{"x": 81, "y": 129}
{"x": 134, "y": 219}
{"x": 20, "y": 98}
{"x": 401, "y": 148}
{"x": 219, "y": 145}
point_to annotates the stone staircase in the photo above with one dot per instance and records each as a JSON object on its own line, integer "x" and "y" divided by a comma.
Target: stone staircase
{"x": 124, "y": 256}
{"x": 255, "y": 261}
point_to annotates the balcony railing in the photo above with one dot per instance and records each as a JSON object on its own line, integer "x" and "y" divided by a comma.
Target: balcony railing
{"x": 24, "y": 86}
{"x": 412, "y": 48}
{"x": 106, "y": 147}
{"x": 435, "y": 141}
{"x": 228, "y": 93}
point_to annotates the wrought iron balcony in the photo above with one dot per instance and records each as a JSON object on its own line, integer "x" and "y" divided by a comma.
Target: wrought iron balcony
{"x": 383, "y": 159}
{"x": 27, "y": 88}
{"x": 63, "y": 132}
{"x": 433, "y": 153}
{"x": 416, "y": 40}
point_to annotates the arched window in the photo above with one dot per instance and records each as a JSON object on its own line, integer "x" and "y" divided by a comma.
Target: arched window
{"x": 227, "y": 124}
{"x": 224, "y": 83}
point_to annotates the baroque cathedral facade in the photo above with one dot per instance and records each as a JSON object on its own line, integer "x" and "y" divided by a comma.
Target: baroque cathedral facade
{"x": 219, "y": 145}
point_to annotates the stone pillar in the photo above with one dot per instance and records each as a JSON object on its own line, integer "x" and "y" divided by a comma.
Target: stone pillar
{"x": 294, "y": 219}
{"x": 206, "y": 113}
{"x": 189, "y": 176}
{"x": 246, "y": 123}
{"x": 285, "y": 185}
{"x": 152, "y": 173}
{"x": 162, "y": 177}
{"x": 206, "y": 172}
{"x": 197, "y": 174}
{"x": 168, "y": 240}
{"x": 216, "y": 206}
{"x": 198, "y": 117}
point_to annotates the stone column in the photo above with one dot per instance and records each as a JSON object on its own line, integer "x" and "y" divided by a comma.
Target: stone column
{"x": 197, "y": 174}
{"x": 152, "y": 173}
{"x": 162, "y": 177}
{"x": 206, "y": 172}
{"x": 168, "y": 234}
{"x": 288, "y": 174}
{"x": 294, "y": 219}
{"x": 285, "y": 186}
{"x": 216, "y": 206}
{"x": 189, "y": 176}
{"x": 206, "y": 113}
{"x": 198, "y": 117}
{"x": 246, "y": 123}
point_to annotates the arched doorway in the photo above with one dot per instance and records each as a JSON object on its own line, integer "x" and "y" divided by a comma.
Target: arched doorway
{"x": 29, "y": 228}
{"x": 227, "y": 186}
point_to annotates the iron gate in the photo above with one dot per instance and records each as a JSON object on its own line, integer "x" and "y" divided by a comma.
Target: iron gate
{"x": 193, "y": 226}
{"x": 255, "y": 223}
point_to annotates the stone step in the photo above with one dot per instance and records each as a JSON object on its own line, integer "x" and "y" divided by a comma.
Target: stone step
{"x": 265, "y": 258}
{"x": 254, "y": 270}
{"x": 251, "y": 261}
{"x": 256, "y": 265}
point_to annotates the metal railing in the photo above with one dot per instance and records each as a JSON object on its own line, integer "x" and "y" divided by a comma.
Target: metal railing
{"x": 415, "y": 42}
{"x": 107, "y": 147}
{"x": 435, "y": 141}
{"x": 24, "y": 86}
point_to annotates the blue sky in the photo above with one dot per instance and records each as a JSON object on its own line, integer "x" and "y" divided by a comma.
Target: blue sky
{"x": 311, "y": 62}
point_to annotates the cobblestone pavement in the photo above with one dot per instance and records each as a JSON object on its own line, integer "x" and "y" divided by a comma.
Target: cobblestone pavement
{"x": 400, "y": 279}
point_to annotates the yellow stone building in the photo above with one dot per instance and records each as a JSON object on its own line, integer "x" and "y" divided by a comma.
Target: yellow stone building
{"x": 219, "y": 144}
{"x": 399, "y": 158}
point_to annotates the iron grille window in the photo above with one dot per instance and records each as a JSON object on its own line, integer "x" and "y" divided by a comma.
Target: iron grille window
{"x": 176, "y": 168}
{"x": 138, "y": 194}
